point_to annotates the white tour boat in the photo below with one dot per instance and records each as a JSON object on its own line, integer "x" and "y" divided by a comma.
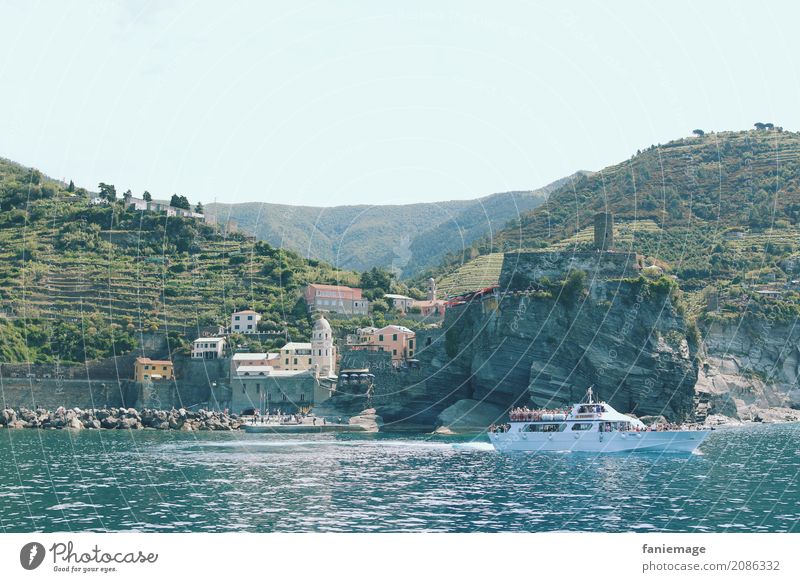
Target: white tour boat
{"x": 589, "y": 427}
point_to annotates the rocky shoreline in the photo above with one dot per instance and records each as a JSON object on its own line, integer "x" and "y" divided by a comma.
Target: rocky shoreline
{"x": 119, "y": 418}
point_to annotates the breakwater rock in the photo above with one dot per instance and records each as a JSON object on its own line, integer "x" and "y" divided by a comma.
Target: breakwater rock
{"x": 118, "y": 418}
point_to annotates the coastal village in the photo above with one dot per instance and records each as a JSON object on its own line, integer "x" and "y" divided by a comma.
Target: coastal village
{"x": 300, "y": 374}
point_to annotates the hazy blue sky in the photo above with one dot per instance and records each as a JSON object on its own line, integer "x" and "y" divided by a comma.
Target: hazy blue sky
{"x": 377, "y": 102}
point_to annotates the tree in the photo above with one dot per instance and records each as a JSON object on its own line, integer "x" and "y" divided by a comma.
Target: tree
{"x": 699, "y": 132}
{"x": 147, "y": 197}
{"x": 769, "y": 126}
{"x": 126, "y": 197}
{"x": 759, "y": 126}
{"x": 71, "y": 187}
{"x": 107, "y": 191}
{"x": 179, "y": 202}
{"x": 199, "y": 208}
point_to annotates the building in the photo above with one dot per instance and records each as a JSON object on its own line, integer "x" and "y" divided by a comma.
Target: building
{"x": 269, "y": 391}
{"x": 431, "y": 306}
{"x": 399, "y": 341}
{"x": 401, "y": 303}
{"x": 245, "y": 321}
{"x": 208, "y": 348}
{"x": 336, "y": 299}
{"x": 604, "y": 231}
{"x": 137, "y": 203}
{"x": 323, "y": 351}
{"x": 253, "y": 359}
{"x": 97, "y": 201}
{"x": 145, "y": 369}
{"x": 295, "y": 356}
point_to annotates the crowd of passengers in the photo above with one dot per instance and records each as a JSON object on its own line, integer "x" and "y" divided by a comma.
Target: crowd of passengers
{"x": 525, "y": 414}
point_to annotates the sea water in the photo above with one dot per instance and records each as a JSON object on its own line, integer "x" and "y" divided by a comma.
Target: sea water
{"x": 742, "y": 480}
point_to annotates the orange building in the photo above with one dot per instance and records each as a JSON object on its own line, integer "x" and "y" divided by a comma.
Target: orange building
{"x": 335, "y": 299}
{"x": 153, "y": 370}
{"x": 399, "y": 341}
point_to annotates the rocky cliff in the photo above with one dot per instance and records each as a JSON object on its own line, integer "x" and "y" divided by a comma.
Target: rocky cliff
{"x": 751, "y": 368}
{"x": 557, "y": 325}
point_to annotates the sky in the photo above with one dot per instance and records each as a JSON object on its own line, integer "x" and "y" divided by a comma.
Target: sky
{"x": 368, "y": 102}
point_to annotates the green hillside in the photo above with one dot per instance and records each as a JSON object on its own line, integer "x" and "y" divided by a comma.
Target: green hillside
{"x": 403, "y": 238}
{"x": 719, "y": 211}
{"x": 79, "y": 282}
{"x": 711, "y": 207}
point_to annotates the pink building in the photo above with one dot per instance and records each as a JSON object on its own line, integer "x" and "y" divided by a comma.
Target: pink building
{"x": 336, "y": 299}
{"x": 399, "y": 341}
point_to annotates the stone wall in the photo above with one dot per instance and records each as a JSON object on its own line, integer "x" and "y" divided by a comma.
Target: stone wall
{"x": 17, "y": 392}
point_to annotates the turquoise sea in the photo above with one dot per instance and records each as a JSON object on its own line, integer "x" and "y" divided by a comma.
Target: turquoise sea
{"x": 744, "y": 480}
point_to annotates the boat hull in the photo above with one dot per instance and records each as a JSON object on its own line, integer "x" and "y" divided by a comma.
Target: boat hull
{"x": 678, "y": 441}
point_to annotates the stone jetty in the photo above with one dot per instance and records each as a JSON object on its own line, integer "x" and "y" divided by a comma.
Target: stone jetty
{"x": 118, "y": 418}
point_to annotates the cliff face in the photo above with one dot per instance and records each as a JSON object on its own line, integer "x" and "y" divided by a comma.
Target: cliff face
{"x": 538, "y": 342}
{"x": 751, "y": 369}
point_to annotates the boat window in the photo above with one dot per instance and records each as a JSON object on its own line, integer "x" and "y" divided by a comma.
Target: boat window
{"x": 545, "y": 427}
{"x": 582, "y": 426}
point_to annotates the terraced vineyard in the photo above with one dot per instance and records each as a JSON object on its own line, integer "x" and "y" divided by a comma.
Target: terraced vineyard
{"x": 480, "y": 272}
{"x": 68, "y": 268}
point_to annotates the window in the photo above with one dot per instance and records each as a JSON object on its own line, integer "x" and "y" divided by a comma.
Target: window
{"x": 582, "y": 426}
{"x": 394, "y": 337}
{"x": 163, "y": 367}
{"x": 302, "y": 397}
{"x": 394, "y": 352}
{"x": 380, "y": 338}
{"x": 258, "y": 388}
{"x": 309, "y": 360}
{"x": 410, "y": 344}
{"x": 427, "y": 341}
{"x": 236, "y": 317}
{"x": 545, "y": 428}
{"x": 249, "y": 318}
{"x": 287, "y": 361}
{"x": 295, "y": 361}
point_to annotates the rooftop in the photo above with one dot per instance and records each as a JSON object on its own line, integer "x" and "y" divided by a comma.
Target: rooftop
{"x": 209, "y": 339}
{"x": 245, "y": 311}
{"x": 332, "y": 287}
{"x": 142, "y": 360}
{"x": 297, "y": 346}
{"x": 250, "y": 356}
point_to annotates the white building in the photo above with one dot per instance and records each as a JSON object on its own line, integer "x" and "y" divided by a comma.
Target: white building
{"x": 137, "y": 203}
{"x": 245, "y": 321}
{"x": 323, "y": 352}
{"x": 401, "y": 303}
{"x": 208, "y": 348}
{"x": 253, "y": 359}
{"x": 97, "y": 201}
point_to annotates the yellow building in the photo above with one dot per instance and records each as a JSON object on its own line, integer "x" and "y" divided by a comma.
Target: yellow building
{"x": 153, "y": 370}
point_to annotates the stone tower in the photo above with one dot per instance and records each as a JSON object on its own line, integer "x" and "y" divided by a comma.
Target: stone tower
{"x": 431, "y": 289}
{"x": 323, "y": 352}
{"x": 604, "y": 231}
